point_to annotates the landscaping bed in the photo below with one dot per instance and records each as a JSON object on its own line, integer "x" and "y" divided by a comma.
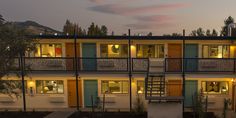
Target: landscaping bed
{"x": 20, "y": 114}
{"x": 108, "y": 115}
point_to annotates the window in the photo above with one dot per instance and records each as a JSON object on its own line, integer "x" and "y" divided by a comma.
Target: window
{"x": 12, "y": 86}
{"x": 215, "y": 87}
{"x": 49, "y": 86}
{"x": 109, "y": 50}
{"x": 150, "y": 51}
{"x": 48, "y": 50}
{"x": 140, "y": 87}
{"x": 216, "y": 51}
{"x": 115, "y": 87}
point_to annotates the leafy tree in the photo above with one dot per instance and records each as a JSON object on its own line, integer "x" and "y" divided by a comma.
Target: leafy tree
{"x": 91, "y": 29}
{"x": 1, "y": 20}
{"x": 173, "y": 34}
{"x": 208, "y": 32}
{"x": 198, "y": 32}
{"x": 103, "y": 30}
{"x": 224, "y": 31}
{"x": 149, "y": 34}
{"x": 68, "y": 27}
{"x": 14, "y": 41}
{"x": 214, "y": 33}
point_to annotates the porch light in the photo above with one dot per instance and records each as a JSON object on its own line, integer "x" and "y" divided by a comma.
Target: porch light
{"x": 31, "y": 83}
{"x": 233, "y": 80}
{"x": 140, "y": 92}
{"x": 219, "y": 56}
{"x": 117, "y": 46}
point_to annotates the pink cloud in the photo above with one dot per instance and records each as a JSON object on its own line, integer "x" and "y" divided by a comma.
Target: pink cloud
{"x": 148, "y": 26}
{"x": 156, "y": 18}
{"x": 125, "y": 10}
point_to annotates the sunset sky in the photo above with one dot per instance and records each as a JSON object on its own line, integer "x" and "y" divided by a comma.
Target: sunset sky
{"x": 141, "y": 16}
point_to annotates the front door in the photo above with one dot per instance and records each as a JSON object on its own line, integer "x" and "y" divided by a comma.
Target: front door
{"x": 174, "y": 55}
{"x": 70, "y": 54}
{"x": 190, "y": 92}
{"x": 174, "y": 88}
{"x": 72, "y": 93}
{"x": 89, "y": 56}
{"x": 191, "y": 53}
{"x": 90, "y": 92}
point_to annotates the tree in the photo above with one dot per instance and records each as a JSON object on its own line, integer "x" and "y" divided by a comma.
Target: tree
{"x": 103, "y": 30}
{"x": 14, "y": 41}
{"x": 91, "y": 29}
{"x": 149, "y": 34}
{"x": 198, "y": 32}
{"x": 173, "y": 34}
{"x": 68, "y": 27}
{"x": 214, "y": 33}
{"x": 1, "y": 20}
{"x": 208, "y": 32}
{"x": 224, "y": 31}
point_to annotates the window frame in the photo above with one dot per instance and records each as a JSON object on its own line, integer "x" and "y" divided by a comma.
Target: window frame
{"x": 108, "y": 49}
{"x": 41, "y": 50}
{"x": 208, "y": 56}
{"x": 138, "y": 81}
{"x": 115, "y": 80}
{"x": 156, "y": 49}
{"x": 215, "y": 93}
{"x": 37, "y": 92}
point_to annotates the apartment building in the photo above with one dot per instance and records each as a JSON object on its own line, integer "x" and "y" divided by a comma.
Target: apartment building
{"x": 158, "y": 69}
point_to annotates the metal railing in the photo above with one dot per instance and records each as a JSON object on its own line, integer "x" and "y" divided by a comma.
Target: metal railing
{"x": 143, "y": 65}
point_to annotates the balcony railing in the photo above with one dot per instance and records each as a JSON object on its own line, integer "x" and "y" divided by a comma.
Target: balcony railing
{"x": 200, "y": 65}
{"x": 152, "y": 65}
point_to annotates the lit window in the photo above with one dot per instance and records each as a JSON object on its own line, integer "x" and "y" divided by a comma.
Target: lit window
{"x": 150, "y": 51}
{"x": 49, "y": 86}
{"x": 115, "y": 87}
{"x": 114, "y": 50}
{"x": 140, "y": 87}
{"x": 215, "y": 87}
{"x": 216, "y": 51}
{"x": 48, "y": 50}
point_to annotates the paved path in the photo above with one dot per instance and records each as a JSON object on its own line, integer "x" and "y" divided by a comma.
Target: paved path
{"x": 60, "y": 114}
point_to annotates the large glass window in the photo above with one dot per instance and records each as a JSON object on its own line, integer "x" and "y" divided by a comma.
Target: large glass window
{"x": 140, "y": 87}
{"x": 216, "y": 51}
{"x": 110, "y": 50}
{"x": 49, "y": 86}
{"x": 48, "y": 50}
{"x": 115, "y": 87}
{"x": 150, "y": 51}
{"x": 215, "y": 87}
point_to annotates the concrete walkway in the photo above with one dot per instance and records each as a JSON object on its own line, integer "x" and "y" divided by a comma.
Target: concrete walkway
{"x": 60, "y": 114}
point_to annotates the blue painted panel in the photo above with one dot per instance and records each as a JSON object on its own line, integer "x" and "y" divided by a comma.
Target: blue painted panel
{"x": 191, "y": 51}
{"x": 90, "y": 92}
{"x": 89, "y": 51}
{"x": 190, "y": 91}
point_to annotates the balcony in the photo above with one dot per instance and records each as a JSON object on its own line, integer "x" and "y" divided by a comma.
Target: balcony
{"x": 138, "y": 65}
{"x": 200, "y": 65}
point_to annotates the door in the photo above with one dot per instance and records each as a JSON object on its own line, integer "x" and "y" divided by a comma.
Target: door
{"x": 191, "y": 52}
{"x": 72, "y": 93}
{"x": 70, "y": 54}
{"x": 174, "y": 55}
{"x": 89, "y": 56}
{"x": 190, "y": 92}
{"x": 90, "y": 92}
{"x": 174, "y": 88}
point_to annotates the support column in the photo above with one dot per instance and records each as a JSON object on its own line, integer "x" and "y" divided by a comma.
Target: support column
{"x": 130, "y": 73}
{"x": 22, "y": 65}
{"x": 76, "y": 69}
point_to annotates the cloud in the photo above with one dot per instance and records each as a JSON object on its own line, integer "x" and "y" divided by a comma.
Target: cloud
{"x": 125, "y": 10}
{"x": 155, "y": 18}
{"x": 149, "y": 26}
{"x": 96, "y": 1}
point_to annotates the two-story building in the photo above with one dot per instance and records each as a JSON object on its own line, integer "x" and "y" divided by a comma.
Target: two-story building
{"x": 173, "y": 67}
